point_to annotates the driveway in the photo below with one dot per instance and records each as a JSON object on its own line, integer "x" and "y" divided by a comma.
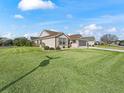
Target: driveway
{"x": 115, "y": 50}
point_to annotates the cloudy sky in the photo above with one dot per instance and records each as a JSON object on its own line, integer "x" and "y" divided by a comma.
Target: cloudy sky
{"x": 87, "y": 17}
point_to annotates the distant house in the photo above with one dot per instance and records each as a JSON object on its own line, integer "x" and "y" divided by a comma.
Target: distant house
{"x": 36, "y": 40}
{"x": 51, "y": 39}
{"x": 55, "y": 39}
{"x": 78, "y": 40}
{"x": 116, "y": 43}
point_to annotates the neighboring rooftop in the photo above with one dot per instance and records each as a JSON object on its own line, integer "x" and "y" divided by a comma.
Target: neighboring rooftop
{"x": 79, "y": 36}
{"x": 90, "y": 38}
{"x": 75, "y": 36}
{"x": 34, "y": 38}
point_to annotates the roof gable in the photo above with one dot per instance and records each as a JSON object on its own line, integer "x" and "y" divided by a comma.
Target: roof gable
{"x": 44, "y": 33}
{"x": 49, "y": 33}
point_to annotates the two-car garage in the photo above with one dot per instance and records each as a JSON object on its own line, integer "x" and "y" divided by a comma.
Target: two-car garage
{"x": 82, "y": 43}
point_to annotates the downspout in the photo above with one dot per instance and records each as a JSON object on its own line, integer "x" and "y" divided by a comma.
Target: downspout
{"x": 87, "y": 44}
{"x": 55, "y": 42}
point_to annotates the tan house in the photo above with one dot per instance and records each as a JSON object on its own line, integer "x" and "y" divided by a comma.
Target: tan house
{"x": 52, "y": 39}
{"x": 59, "y": 39}
{"x": 78, "y": 40}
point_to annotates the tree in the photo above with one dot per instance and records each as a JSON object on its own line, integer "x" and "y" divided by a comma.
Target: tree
{"x": 8, "y": 42}
{"x": 22, "y": 41}
{"x": 1, "y": 43}
{"x": 109, "y": 38}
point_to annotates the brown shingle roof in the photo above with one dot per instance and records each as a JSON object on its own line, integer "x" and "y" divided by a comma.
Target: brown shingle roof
{"x": 34, "y": 38}
{"x": 75, "y": 36}
{"x": 52, "y": 33}
{"x": 91, "y": 38}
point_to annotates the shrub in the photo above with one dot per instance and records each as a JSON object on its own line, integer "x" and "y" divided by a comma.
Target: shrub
{"x": 51, "y": 48}
{"x": 63, "y": 46}
{"x": 22, "y": 41}
{"x": 102, "y": 43}
{"x": 58, "y": 48}
{"x": 46, "y": 48}
{"x": 8, "y": 42}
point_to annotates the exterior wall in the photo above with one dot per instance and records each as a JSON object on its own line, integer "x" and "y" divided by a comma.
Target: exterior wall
{"x": 49, "y": 42}
{"x": 37, "y": 42}
{"x": 57, "y": 41}
{"x": 75, "y": 45}
{"x": 91, "y": 43}
{"x": 43, "y": 34}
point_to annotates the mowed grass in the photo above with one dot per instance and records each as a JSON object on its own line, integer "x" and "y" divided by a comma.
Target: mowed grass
{"x": 72, "y": 71}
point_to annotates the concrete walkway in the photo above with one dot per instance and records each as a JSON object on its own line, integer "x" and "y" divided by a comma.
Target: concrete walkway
{"x": 115, "y": 50}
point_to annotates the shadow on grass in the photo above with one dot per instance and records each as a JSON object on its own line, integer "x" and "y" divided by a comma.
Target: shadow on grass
{"x": 42, "y": 64}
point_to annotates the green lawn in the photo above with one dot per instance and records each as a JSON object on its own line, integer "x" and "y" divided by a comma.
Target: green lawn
{"x": 70, "y": 71}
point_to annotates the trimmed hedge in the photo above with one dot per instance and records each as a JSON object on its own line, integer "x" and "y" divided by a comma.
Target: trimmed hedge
{"x": 46, "y": 48}
{"x": 51, "y": 48}
{"x": 58, "y": 48}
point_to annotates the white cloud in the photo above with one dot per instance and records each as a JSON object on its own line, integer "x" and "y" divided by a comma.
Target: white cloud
{"x": 8, "y": 35}
{"x": 52, "y": 29}
{"x": 69, "y": 16}
{"x": 35, "y": 4}
{"x": 28, "y": 35}
{"x": 113, "y": 29}
{"x": 90, "y": 29}
{"x": 99, "y": 30}
{"x": 18, "y": 16}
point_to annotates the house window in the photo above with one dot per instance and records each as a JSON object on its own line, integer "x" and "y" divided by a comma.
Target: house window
{"x": 62, "y": 41}
{"x": 73, "y": 41}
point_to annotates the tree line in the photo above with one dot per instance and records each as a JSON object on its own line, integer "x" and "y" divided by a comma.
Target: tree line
{"x": 20, "y": 41}
{"x": 108, "y": 39}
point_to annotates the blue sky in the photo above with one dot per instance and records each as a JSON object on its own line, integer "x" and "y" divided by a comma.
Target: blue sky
{"x": 87, "y": 17}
